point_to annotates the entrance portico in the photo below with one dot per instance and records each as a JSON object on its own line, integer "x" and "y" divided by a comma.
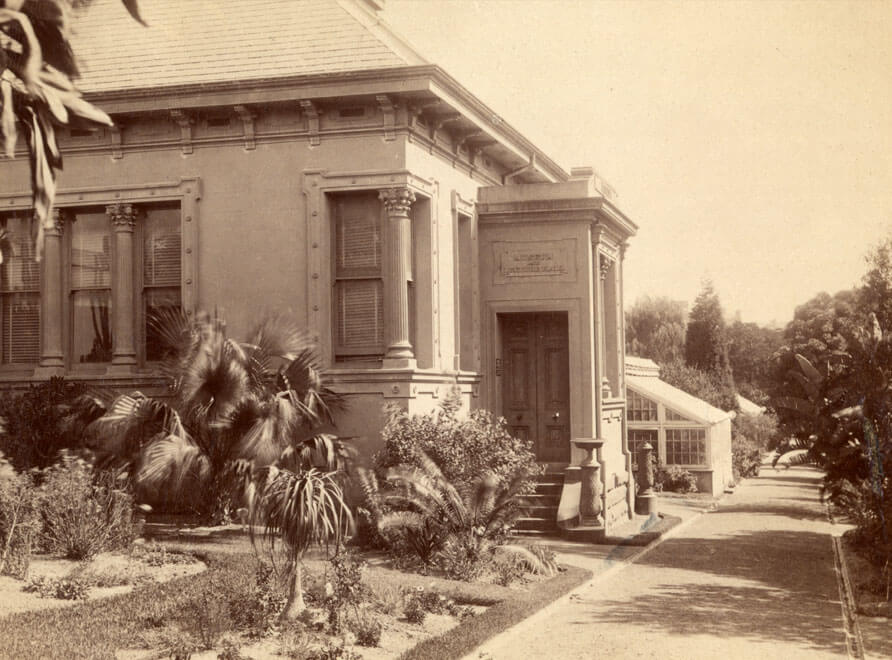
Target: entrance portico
{"x": 551, "y": 295}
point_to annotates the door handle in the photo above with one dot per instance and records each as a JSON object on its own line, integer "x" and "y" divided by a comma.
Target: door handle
{"x": 556, "y": 416}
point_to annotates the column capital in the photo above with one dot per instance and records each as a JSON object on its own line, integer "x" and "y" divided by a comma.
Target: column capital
{"x": 123, "y": 216}
{"x": 604, "y": 266}
{"x": 396, "y": 200}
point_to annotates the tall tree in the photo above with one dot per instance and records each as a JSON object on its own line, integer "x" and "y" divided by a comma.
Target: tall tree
{"x": 655, "y": 329}
{"x": 876, "y": 293}
{"x": 750, "y": 352}
{"x": 706, "y": 343}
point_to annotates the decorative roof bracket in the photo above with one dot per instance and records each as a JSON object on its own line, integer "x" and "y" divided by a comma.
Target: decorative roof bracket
{"x": 389, "y": 113}
{"x": 520, "y": 170}
{"x": 185, "y": 123}
{"x": 312, "y": 114}
{"x": 114, "y": 132}
{"x": 244, "y": 113}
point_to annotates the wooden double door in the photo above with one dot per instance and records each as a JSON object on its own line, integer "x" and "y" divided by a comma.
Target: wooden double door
{"x": 536, "y": 381}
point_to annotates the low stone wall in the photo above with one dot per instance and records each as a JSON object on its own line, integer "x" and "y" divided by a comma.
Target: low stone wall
{"x": 616, "y": 502}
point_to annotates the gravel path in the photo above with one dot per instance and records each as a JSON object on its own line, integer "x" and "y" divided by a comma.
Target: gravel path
{"x": 753, "y": 579}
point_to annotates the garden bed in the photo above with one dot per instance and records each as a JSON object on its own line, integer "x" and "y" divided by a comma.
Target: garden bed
{"x": 868, "y": 583}
{"x": 154, "y": 616}
{"x": 107, "y": 574}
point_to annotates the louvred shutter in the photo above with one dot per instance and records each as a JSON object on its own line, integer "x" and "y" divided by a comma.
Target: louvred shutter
{"x": 20, "y": 275}
{"x": 359, "y": 288}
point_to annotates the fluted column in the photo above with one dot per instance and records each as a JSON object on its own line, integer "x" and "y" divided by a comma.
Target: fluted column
{"x": 51, "y": 303}
{"x": 123, "y": 219}
{"x": 397, "y": 266}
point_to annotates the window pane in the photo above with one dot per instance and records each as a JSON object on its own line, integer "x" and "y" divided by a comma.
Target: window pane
{"x": 159, "y": 305}
{"x": 686, "y": 446}
{"x": 20, "y": 285}
{"x": 21, "y": 328}
{"x": 90, "y": 251}
{"x": 161, "y": 248}
{"x": 91, "y": 326}
{"x": 358, "y": 233}
{"x": 20, "y": 271}
{"x": 360, "y": 314}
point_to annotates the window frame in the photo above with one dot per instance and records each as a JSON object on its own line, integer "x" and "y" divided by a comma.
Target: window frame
{"x": 370, "y": 353}
{"x": 186, "y": 192}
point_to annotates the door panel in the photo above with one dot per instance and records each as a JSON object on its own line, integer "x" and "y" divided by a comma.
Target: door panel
{"x": 519, "y": 377}
{"x": 535, "y": 382}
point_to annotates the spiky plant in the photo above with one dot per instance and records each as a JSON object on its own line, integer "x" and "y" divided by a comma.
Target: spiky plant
{"x": 297, "y": 508}
{"x": 435, "y": 515}
{"x": 232, "y": 407}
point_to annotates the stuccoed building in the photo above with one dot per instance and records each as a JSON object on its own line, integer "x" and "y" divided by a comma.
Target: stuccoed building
{"x": 301, "y": 157}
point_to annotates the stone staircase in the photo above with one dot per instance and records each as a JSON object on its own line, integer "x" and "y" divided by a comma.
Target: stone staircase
{"x": 540, "y": 508}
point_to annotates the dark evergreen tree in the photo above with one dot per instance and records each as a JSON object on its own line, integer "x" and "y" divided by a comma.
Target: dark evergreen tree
{"x": 706, "y": 344}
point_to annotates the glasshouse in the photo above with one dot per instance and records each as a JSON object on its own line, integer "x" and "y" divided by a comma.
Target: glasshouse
{"x": 684, "y": 431}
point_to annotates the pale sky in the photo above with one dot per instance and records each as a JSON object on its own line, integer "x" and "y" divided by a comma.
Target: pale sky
{"x": 750, "y": 141}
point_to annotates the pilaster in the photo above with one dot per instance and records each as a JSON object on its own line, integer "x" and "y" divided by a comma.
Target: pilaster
{"x": 123, "y": 218}
{"x": 52, "y": 360}
{"x": 397, "y": 268}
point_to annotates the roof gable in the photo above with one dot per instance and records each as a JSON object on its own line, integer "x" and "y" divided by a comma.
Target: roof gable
{"x": 206, "y": 41}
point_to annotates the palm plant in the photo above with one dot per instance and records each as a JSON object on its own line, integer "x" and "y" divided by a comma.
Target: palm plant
{"x": 232, "y": 407}
{"x": 300, "y": 507}
{"x": 465, "y": 525}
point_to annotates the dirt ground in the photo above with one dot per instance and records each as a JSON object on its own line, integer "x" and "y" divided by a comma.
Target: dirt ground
{"x": 105, "y": 565}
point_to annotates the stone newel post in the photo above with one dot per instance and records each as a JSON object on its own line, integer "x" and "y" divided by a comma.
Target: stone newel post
{"x": 646, "y": 500}
{"x": 397, "y": 266}
{"x": 123, "y": 219}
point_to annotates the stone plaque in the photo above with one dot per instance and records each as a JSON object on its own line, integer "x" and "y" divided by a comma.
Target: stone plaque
{"x": 551, "y": 261}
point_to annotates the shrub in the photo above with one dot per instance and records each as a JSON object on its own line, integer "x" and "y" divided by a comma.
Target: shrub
{"x": 508, "y": 569}
{"x": 157, "y": 554}
{"x": 62, "y": 588}
{"x": 674, "y": 479}
{"x": 464, "y": 448}
{"x": 367, "y": 629}
{"x": 263, "y": 603}
{"x": 83, "y": 514}
{"x": 746, "y": 457}
{"x": 18, "y": 520}
{"x": 347, "y": 590}
{"x": 761, "y": 430}
{"x": 415, "y": 612}
{"x": 39, "y": 423}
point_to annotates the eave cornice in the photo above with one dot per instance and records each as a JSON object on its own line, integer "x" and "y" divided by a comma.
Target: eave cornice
{"x": 591, "y": 209}
{"x": 427, "y": 79}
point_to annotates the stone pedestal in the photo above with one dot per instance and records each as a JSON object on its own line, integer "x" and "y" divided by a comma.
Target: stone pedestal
{"x": 646, "y": 500}
{"x": 590, "y": 508}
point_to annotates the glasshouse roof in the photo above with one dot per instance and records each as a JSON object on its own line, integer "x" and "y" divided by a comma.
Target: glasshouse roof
{"x": 644, "y": 379}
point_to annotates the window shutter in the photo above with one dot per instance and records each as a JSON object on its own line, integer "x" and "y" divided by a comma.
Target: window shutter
{"x": 359, "y": 289}
{"x": 161, "y": 249}
{"x": 20, "y": 288}
{"x": 358, "y": 237}
{"x": 360, "y": 313}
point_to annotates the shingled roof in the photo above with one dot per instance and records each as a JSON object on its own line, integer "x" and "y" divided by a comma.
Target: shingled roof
{"x": 208, "y": 41}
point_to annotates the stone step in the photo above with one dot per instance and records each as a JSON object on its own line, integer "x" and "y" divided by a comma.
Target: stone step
{"x": 549, "y": 489}
{"x": 544, "y": 511}
{"x": 536, "y": 524}
{"x": 539, "y": 499}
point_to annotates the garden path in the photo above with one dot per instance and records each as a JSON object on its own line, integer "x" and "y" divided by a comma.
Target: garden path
{"x": 755, "y": 577}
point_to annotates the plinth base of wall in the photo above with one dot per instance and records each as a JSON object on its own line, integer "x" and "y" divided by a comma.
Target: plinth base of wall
{"x": 646, "y": 505}
{"x": 585, "y": 534}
